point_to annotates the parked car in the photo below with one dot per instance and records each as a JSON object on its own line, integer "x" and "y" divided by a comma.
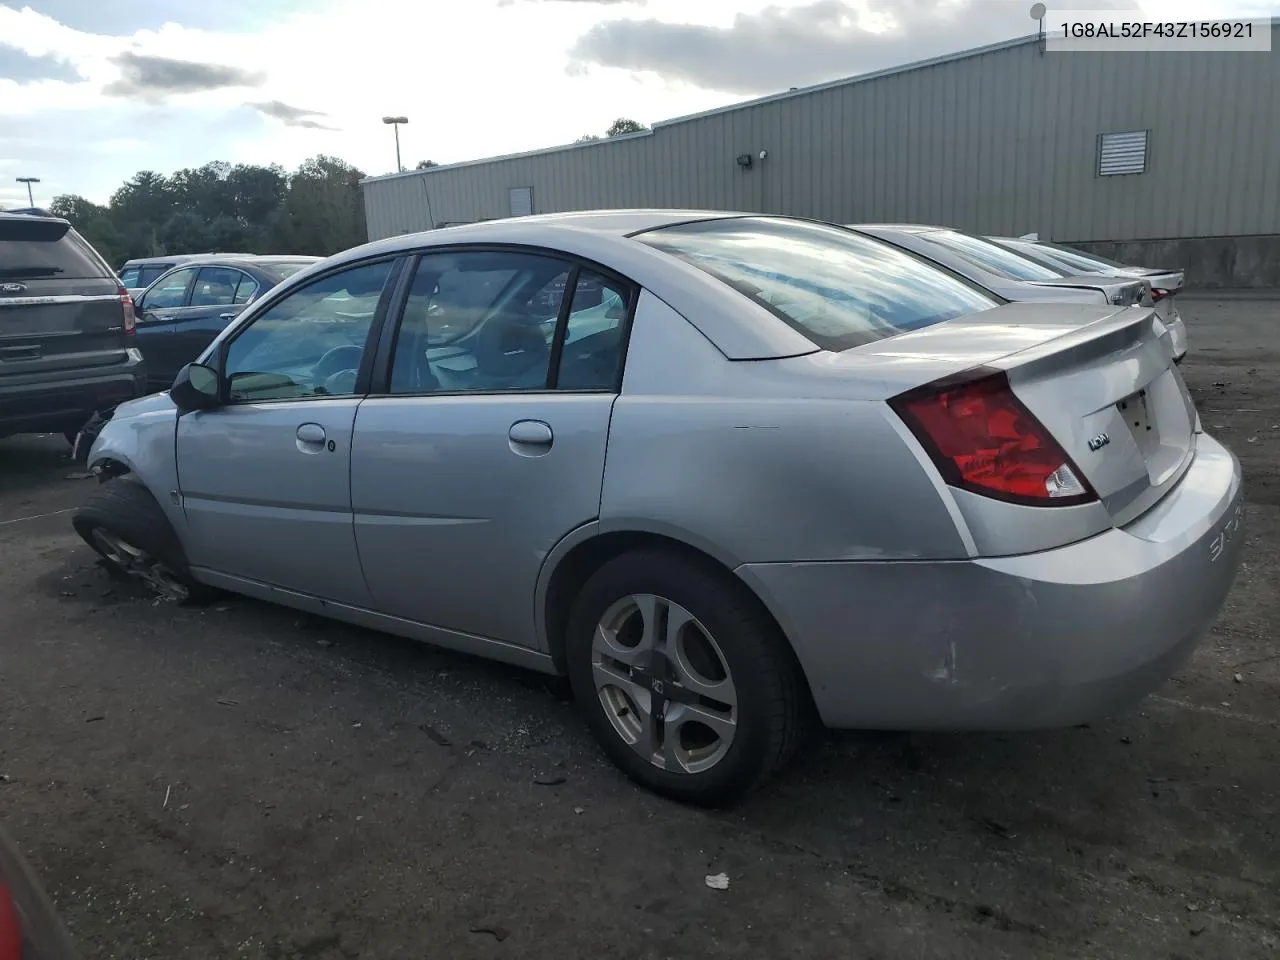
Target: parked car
{"x": 839, "y": 481}
{"x": 185, "y": 308}
{"x": 1011, "y": 275}
{"x": 66, "y": 329}
{"x": 1165, "y": 283}
{"x": 141, "y": 272}
{"x": 29, "y": 924}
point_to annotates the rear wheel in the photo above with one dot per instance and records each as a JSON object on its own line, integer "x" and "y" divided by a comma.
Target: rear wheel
{"x": 685, "y": 681}
{"x": 123, "y": 523}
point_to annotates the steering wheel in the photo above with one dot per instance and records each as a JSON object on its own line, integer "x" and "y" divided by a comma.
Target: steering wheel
{"x": 335, "y": 372}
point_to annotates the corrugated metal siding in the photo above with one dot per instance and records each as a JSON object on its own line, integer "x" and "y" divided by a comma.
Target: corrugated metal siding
{"x": 1000, "y": 142}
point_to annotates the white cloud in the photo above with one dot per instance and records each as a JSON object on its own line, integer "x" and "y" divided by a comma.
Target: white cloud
{"x": 475, "y": 77}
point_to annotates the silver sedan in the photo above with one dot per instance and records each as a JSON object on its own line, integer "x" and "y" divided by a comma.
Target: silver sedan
{"x": 730, "y": 474}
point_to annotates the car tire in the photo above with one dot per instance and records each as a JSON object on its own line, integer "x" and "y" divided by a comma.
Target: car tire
{"x": 125, "y": 526}
{"x": 760, "y": 717}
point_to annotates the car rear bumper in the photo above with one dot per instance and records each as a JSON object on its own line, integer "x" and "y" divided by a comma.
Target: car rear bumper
{"x": 65, "y": 399}
{"x": 1041, "y": 640}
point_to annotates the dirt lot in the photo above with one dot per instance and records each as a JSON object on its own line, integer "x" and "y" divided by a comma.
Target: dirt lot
{"x": 240, "y": 782}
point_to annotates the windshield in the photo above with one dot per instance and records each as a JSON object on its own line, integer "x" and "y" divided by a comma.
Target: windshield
{"x": 991, "y": 256}
{"x": 839, "y": 289}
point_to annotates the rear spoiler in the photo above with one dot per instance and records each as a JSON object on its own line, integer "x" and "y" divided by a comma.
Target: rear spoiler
{"x": 26, "y": 227}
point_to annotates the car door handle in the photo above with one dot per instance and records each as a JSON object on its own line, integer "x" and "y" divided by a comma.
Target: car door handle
{"x": 531, "y": 433}
{"x": 311, "y": 433}
{"x": 226, "y": 316}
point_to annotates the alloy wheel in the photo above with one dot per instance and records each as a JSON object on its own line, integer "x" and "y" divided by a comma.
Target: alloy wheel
{"x": 664, "y": 683}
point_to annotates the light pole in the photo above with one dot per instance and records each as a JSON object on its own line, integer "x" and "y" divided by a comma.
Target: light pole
{"x": 395, "y": 122}
{"x": 28, "y": 181}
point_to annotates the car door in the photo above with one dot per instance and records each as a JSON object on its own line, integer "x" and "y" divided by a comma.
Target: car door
{"x": 265, "y": 477}
{"x": 487, "y": 445}
{"x": 160, "y": 309}
{"x": 213, "y": 305}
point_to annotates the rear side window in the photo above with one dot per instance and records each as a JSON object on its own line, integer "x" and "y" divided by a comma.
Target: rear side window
{"x": 997, "y": 259}
{"x": 839, "y": 289}
{"x": 36, "y": 249}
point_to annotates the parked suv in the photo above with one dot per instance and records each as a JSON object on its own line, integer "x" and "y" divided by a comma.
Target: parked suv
{"x": 66, "y": 329}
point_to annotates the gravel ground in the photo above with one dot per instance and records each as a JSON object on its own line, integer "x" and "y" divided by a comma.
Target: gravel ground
{"x": 239, "y": 781}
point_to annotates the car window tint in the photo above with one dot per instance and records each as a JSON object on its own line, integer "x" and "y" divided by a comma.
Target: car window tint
{"x": 991, "y": 256}
{"x": 479, "y": 321}
{"x": 215, "y": 287}
{"x": 28, "y": 253}
{"x": 170, "y": 292}
{"x": 149, "y": 275}
{"x": 245, "y": 290}
{"x": 592, "y": 351}
{"x": 836, "y": 287}
{"x": 310, "y": 343}
{"x": 129, "y": 277}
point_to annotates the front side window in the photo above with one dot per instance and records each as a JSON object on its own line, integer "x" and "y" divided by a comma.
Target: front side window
{"x": 991, "y": 256}
{"x": 309, "y": 344}
{"x": 836, "y": 287}
{"x": 479, "y": 321}
{"x": 215, "y": 287}
{"x": 170, "y": 292}
{"x": 129, "y": 277}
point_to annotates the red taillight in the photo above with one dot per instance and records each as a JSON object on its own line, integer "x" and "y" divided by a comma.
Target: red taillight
{"x": 10, "y": 931}
{"x": 1158, "y": 294}
{"x": 984, "y": 440}
{"x": 126, "y": 306}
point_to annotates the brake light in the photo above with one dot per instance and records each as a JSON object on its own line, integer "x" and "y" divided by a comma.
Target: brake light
{"x": 126, "y": 306}
{"x": 10, "y": 931}
{"x": 1158, "y": 294}
{"x": 982, "y": 439}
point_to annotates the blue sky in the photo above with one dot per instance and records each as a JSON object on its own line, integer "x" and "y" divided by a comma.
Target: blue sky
{"x": 91, "y": 91}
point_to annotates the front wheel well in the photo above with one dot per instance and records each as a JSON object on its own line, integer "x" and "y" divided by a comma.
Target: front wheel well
{"x": 586, "y": 558}
{"x": 107, "y": 468}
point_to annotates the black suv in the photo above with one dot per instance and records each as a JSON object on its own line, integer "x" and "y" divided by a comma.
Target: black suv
{"x": 66, "y": 329}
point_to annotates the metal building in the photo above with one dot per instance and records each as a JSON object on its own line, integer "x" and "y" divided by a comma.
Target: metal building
{"x": 1163, "y": 158}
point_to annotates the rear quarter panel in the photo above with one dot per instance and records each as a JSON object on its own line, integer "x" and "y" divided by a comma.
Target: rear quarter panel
{"x": 739, "y": 462}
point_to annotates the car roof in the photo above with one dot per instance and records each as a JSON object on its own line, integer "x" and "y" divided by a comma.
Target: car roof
{"x": 617, "y": 223}
{"x": 897, "y": 227}
{"x": 180, "y": 258}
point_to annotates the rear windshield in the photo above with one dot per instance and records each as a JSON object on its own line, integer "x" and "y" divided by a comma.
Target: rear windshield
{"x": 285, "y": 268}
{"x": 992, "y": 256}
{"x": 1072, "y": 255}
{"x": 839, "y": 289}
{"x": 27, "y": 252}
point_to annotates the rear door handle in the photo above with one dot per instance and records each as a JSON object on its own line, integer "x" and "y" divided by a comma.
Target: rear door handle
{"x": 311, "y": 433}
{"x": 531, "y": 433}
{"x": 226, "y": 316}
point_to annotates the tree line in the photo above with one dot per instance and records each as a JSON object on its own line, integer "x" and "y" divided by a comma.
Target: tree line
{"x": 235, "y": 208}
{"x": 225, "y": 208}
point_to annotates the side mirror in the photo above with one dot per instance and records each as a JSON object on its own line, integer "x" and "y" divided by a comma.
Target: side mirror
{"x": 196, "y": 387}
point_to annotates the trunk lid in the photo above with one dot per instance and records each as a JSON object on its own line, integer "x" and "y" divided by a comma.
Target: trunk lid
{"x": 1119, "y": 291}
{"x": 1100, "y": 379}
{"x": 60, "y": 304}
